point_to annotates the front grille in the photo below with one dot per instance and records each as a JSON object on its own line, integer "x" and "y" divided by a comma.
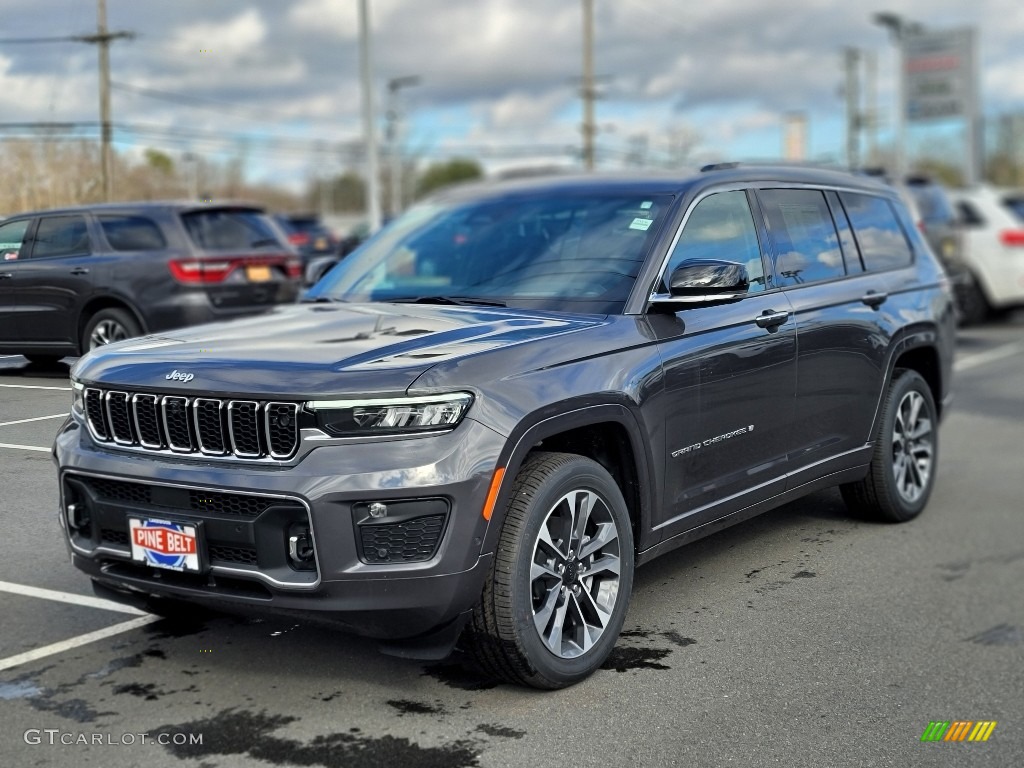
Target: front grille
{"x": 119, "y": 490}
{"x": 239, "y": 555}
{"x": 110, "y": 536}
{"x": 247, "y": 429}
{"x": 410, "y": 541}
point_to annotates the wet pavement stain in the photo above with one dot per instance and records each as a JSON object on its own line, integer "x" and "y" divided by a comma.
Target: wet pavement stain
{"x": 145, "y": 691}
{"x": 804, "y": 575}
{"x": 1002, "y": 634}
{"x": 234, "y": 732}
{"x": 677, "y": 639}
{"x": 455, "y": 674}
{"x": 500, "y": 730}
{"x": 623, "y": 659}
{"x": 22, "y": 688}
{"x": 407, "y": 707}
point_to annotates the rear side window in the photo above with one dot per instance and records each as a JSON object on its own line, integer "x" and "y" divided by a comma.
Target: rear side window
{"x": 969, "y": 215}
{"x": 61, "y": 236}
{"x": 1016, "y": 206}
{"x": 806, "y": 243}
{"x": 883, "y": 244}
{"x": 132, "y": 233}
{"x": 11, "y": 238}
{"x": 230, "y": 230}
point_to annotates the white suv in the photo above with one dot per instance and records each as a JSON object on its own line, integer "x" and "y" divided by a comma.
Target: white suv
{"x": 992, "y": 222}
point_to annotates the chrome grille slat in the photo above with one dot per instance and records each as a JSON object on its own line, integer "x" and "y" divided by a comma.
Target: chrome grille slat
{"x": 196, "y": 426}
{"x": 243, "y": 428}
{"x": 207, "y": 415}
{"x": 175, "y": 413}
{"x": 119, "y": 418}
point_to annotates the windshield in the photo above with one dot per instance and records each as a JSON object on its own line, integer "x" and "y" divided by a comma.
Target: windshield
{"x": 553, "y": 251}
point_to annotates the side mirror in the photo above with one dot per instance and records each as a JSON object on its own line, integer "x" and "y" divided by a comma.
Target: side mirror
{"x": 705, "y": 277}
{"x": 704, "y": 281}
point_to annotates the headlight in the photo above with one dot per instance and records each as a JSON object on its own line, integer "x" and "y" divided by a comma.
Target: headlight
{"x": 387, "y": 416}
{"x": 77, "y": 398}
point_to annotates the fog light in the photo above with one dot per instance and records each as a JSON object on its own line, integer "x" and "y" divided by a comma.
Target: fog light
{"x": 77, "y": 516}
{"x": 300, "y": 547}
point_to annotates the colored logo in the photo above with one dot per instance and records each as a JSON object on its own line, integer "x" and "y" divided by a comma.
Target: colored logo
{"x": 958, "y": 730}
{"x": 164, "y": 544}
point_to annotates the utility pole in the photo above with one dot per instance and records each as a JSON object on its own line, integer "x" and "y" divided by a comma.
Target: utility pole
{"x": 369, "y": 120}
{"x": 588, "y": 94}
{"x": 851, "y": 59}
{"x": 103, "y": 38}
{"x": 899, "y": 29}
{"x": 394, "y": 116}
{"x": 871, "y": 114}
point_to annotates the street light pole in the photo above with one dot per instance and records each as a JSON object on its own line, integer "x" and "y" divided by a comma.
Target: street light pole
{"x": 395, "y": 84}
{"x": 369, "y": 120}
{"x": 899, "y": 29}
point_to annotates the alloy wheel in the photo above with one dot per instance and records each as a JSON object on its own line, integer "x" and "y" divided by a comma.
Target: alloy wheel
{"x": 105, "y": 332}
{"x": 574, "y": 576}
{"x": 912, "y": 446}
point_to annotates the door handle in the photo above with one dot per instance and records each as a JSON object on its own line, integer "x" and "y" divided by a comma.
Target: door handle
{"x": 874, "y": 299}
{"x": 6, "y": 275}
{"x": 80, "y": 271}
{"x": 771, "y": 319}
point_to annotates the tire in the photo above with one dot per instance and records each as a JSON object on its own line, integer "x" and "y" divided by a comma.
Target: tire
{"x": 897, "y": 488}
{"x": 529, "y": 628}
{"x": 972, "y": 304}
{"x": 44, "y": 359}
{"x": 108, "y": 325}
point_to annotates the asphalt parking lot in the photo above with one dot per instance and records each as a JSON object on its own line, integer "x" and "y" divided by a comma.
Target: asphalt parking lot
{"x": 799, "y": 638}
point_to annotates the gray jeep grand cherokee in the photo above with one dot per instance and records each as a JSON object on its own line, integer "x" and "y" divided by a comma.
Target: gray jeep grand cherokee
{"x": 491, "y": 413}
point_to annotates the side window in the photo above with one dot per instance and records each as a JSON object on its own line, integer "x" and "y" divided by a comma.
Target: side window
{"x": 721, "y": 227}
{"x": 132, "y": 233}
{"x": 883, "y": 244}
{"x": 846, "y": 242}
{"x": 12, "y": 237}
{"x": 806, "y": 243}
{"x": 969, "y": 215}
{"x": 61, "y": 236}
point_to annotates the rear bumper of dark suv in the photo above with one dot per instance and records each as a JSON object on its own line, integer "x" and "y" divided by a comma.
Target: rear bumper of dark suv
{"x": 404, "y": 570}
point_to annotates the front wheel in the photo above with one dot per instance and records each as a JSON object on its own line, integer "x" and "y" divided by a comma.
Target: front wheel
{"x": 906, "y": 454}
{"x": 557, "y": 594}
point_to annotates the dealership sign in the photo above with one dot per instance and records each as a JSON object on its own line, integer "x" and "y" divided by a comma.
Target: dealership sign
{"x": 939, "y": 74}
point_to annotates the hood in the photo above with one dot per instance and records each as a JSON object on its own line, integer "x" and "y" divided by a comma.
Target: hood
{"x": 309, "y": 350}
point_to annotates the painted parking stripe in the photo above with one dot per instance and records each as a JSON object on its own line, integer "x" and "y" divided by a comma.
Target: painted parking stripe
{"x": 37, "y": 418}
{"x": 75, "y": 642}
{"x": 16, "y": 447}
{"x": 973, "y": 361}
{"x": 34, "y": 386}
{"x": 68, "y": 597}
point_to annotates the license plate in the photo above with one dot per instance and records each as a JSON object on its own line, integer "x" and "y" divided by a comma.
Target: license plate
{"x": 258, "y": 273}
{"x": 165, "y": 544}
{"x": 320, "y": 244}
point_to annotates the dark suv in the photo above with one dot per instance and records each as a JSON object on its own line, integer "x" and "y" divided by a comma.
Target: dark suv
{"x": 76, "y": 278}
{"x": 486, "y": 417}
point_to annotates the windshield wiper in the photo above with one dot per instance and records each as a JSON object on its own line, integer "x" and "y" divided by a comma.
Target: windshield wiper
{"x": 458, "y": 300}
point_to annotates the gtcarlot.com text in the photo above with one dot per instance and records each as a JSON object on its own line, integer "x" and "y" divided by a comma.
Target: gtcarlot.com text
{"x": 57, "y": 737}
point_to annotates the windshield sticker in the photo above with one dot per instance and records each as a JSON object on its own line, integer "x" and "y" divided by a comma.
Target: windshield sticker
{"x": 642, "y": 224}
{"x": 646, "y": 204}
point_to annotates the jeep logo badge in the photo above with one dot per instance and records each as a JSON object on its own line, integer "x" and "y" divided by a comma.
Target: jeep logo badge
{"x": 181, "y": 376}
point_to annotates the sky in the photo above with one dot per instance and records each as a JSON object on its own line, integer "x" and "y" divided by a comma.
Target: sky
{"x": 277, "y": 82}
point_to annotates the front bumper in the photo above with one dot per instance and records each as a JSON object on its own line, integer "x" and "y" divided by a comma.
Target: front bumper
{"x": 245, "y": 561}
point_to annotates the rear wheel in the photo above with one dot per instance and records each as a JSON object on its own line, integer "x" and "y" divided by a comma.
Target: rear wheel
{"x": 107, "y": 326}
{"x": 906, "y": 454}
{"x": 556, "y": 596}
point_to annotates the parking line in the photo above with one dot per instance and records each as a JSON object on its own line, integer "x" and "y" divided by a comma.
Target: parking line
{"x": 973, "y": 361}
{"x": 37, "y": 418}
{"x": 34, "y": 386}
{"x": 75, "y": 642}
{"x": 68, "y": 597}
{"x": 16, "y": 447}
